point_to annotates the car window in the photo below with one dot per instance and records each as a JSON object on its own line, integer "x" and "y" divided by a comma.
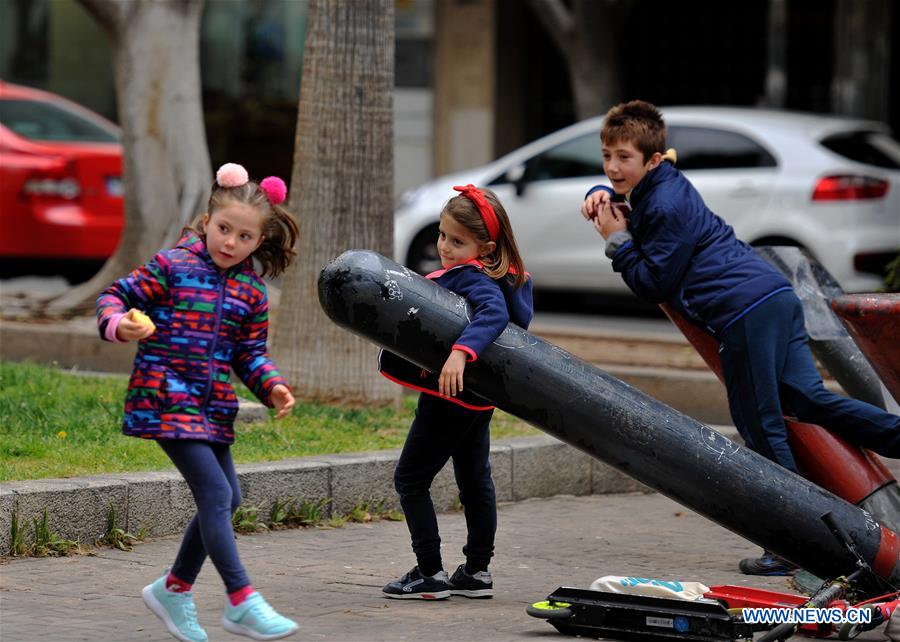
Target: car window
{"x": 44, "y": 121}
{"x": 871, "y": 148}
{"x": 574, "y": 158}
{"x": 707, "y": 148}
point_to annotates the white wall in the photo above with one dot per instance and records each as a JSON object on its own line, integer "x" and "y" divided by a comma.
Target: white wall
{"x": 413, "y": 138}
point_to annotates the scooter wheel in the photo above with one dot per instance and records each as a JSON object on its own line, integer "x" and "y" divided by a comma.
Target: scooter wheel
{"x": 548, "y": 610}
{"x": 849, "y": 630}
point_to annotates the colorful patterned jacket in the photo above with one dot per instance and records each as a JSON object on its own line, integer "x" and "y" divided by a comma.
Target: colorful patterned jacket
{"x": 207, "y": 322}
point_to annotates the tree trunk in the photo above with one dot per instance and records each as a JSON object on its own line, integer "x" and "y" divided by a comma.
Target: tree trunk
{"x": 860, "y": 86}
{"x": 588, "y": 35}
{"x": 167, "y": 173}
{"x": 776, "y": 56}
{"x": 341, "y": 192}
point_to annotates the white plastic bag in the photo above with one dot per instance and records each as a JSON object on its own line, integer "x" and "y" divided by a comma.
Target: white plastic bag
{"x": 651, "y": 587}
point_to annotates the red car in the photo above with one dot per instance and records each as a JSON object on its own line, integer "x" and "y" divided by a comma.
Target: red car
{"x": 60, "y": 179}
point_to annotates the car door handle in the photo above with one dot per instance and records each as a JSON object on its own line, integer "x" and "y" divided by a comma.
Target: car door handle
{"x": 745, "y": 191}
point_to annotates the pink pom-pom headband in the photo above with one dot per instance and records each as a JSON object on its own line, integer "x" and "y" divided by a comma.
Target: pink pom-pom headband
{"x": 231, "y": 175}
{"x": 274, "y": 188}
{"x": 234, "y": 175}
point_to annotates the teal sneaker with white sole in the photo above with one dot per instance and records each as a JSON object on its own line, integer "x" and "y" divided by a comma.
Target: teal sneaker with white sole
{"x": 176, "y": 610}
{"x": 256, "y": 619}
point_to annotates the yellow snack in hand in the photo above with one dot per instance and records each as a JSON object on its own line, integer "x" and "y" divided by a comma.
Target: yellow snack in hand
{"x": 139, "y": 317}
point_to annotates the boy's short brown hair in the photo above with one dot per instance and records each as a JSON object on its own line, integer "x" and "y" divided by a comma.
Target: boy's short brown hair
{"x": 638, "y": 122}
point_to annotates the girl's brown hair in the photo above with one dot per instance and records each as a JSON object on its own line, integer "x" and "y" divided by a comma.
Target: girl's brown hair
{"x": 505, "y": 259}
{"x": 279, "y": 228}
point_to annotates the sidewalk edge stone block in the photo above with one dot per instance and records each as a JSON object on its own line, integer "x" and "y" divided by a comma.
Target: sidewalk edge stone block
{"x": 159, "y": 503}
{"x": 502, "y": 470}
{"x": 365, "y": 476}
{"x": 544, "y": 466}
{"x": 76, "y": 508}
{"x": 287, "y": 480}
{"x": 7, "y": 507}
{"x": 606, "y": 480}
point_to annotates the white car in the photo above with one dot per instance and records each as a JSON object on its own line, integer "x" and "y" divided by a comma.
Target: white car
{"x": 824, "y": 183}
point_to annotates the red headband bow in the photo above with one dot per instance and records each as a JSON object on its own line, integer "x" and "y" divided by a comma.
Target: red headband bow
{"x": 491, "y": 222}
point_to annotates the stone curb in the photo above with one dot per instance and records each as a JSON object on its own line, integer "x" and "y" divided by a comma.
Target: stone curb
{"x": 160, "y": 503}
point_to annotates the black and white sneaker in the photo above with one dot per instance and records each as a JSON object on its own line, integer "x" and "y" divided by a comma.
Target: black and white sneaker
{"x": 481, "y": 584}
{"x": 415, "y": 586}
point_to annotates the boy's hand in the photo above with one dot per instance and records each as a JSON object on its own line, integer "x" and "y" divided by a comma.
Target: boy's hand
{"x": 282, "y": 400}
{"x": 609, "y": 221}
{"x": 131, "y": 330}
{"x": 451, "y": 380}
{"x": 592, "y": 204}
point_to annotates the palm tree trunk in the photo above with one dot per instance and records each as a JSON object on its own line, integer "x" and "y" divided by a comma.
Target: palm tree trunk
{"x": 341, "y": 192}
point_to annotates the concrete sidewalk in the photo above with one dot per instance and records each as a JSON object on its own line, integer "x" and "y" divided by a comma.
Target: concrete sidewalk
{"x": 330, "y": 580}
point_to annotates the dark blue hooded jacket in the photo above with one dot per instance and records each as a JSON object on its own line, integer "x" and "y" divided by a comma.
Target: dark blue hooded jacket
{"x": 684, "y": 255}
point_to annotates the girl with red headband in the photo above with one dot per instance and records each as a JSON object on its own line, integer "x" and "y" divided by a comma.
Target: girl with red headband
{"x": 199, "y": 310}
{"x": 482, "y": 263}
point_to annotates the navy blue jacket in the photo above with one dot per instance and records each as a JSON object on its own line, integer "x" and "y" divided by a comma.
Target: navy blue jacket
{"x": 494, "y": 304}
{"x": 684, "y": 255}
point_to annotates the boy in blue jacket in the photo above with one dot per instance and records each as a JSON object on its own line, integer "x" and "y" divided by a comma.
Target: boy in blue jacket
{"x": 670, "y": 248}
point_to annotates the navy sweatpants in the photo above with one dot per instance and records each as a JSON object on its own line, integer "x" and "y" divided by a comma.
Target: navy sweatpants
{"x": 769, "y": 371}
{"x": 209, "y": 472}
{"x": 441, "y": 430}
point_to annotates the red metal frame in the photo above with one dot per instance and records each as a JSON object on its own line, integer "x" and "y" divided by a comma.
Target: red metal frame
{"x": 873, "y": 320}
{"x": 815, "y": 449}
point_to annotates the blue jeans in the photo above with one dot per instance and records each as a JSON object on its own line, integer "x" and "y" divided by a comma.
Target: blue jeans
{"x": 442, "y": 430}
{"x": 209, "y": 472}
{"x": 769, "y": 371}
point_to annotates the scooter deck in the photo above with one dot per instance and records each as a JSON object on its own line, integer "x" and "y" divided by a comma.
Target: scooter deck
{"x": 638, "y": 617}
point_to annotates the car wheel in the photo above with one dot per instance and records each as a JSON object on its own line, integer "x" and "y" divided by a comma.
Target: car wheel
{"x": 776, "y": 240}
{"x": 423, "y": 255}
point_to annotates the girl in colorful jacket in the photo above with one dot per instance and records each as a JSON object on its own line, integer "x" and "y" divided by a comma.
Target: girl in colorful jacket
{"x": 199, "y": 310}
{"x": 482, "y": 263}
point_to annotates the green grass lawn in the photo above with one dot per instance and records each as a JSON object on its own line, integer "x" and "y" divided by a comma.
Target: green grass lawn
{"x": 56, "y": 423}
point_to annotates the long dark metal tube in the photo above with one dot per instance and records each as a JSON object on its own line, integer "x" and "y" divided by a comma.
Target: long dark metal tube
{"x": 584, "y": 406}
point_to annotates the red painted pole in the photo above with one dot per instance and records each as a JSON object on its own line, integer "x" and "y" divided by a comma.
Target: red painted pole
{"x": 853, "y": 473}
{"x": 873, "y": 320}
